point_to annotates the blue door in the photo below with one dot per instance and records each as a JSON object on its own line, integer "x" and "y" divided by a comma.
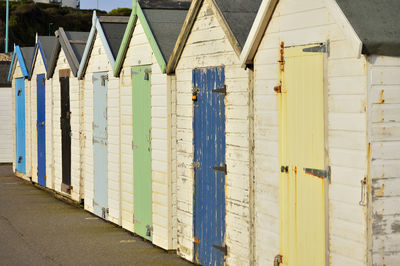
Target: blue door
{"x": 100, "y": 202}
{"x": 209, "y": 165}
{"x": 20, "y": 124}
{"x": 41, "y": 129}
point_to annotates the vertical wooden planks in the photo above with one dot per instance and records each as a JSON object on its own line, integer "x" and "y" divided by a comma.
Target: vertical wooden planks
{"x": 20, "y": 125}
{"x": 65, "y": 123}
{"x": 41, "y": 128}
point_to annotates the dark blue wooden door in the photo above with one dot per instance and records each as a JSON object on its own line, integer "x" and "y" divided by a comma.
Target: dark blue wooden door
{"x": 20, "y": 125}
{"x": 41, "y": 129}
{"x": 209, "y": 166}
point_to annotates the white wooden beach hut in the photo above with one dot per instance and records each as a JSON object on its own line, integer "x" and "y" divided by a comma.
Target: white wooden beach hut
{"x": 148, "y": 166}
{"x": 213, "y": 133}
{"x": 6, "y": 131}
{"x": 326, "y": 132}
{"x": 18, "y": 75}
{"x": 66, "y": 114}
{"x": 101, "y": 128}
{"x": 41, "y": 144}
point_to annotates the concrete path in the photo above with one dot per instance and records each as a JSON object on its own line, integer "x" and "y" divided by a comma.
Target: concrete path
{"x": 37, "y": 229}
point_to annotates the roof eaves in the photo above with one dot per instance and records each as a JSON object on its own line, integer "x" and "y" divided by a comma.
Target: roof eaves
{"x": 88, "y": 48}
{"x": 183, "y": 36}
{"x": 69, "y": 53}
{"x": 12, "y": 66}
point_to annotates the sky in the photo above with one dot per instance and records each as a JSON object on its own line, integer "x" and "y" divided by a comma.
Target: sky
{"x": 107, "y": 5}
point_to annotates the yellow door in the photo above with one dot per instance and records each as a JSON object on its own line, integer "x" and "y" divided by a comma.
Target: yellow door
{"x": 302, "y": 151}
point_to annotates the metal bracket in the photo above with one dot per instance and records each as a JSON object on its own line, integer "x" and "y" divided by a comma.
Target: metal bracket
{"x": 223, "y": 249}
{"x": 147, "y": 73}
{"x": 220, "y": 90}
{"x": 149, "y": 229}
{"x": 103, "y": 80}
{"x": 319, "y": 173}
{"x": 220, "y": 168}
{"x": 322, "y": 48}
{"x": 284, "y": 169}
{"x": 196, "y": 164}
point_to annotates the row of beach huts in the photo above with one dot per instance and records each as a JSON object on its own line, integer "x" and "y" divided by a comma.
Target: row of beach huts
{"x": 236, "y": 132}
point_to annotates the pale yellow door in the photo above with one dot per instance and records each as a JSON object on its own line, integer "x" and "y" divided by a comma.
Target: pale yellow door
{"x": 302, "y": 145}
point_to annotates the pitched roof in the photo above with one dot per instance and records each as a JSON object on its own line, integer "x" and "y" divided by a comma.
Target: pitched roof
{"x": 27, "y": 54}
{"x": 235, "y": 17}
{"x": 73, "y": 44}
{"x": 111, "y": 30}
{"x": 47, "y": 44}
{"x": 376, "y": 23}
{"x": 165, "y": 25}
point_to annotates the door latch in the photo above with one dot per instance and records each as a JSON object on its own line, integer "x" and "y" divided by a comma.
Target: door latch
{"x": 220, "y": 90}
{"x": 278, "y": 260}
{"x": 19, "y": 159}
{"x": 19, "y": 92}
{"x": 223, "y": 249}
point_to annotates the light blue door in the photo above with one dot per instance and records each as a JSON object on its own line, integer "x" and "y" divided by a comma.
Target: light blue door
{"x": 20, "y": 124}
{"x": 41, "y": 129}
{"x": 100, "y": 81}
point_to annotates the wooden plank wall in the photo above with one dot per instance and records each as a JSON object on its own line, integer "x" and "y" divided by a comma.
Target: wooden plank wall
{"x": 6, "y": 148}
{"x": 140, "y": 53}
{"x": 299, "y": 23}
{"x": 98, "y": 62}
{"x": 384, "y": 138}
{"x": 208, "y": 46}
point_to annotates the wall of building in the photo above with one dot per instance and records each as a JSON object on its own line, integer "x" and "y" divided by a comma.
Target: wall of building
{"x": 74, "y": 98}
{"x": 208, "y": 46}
{"x": 301, "y": 23}
{"x": 6, "y": 131}
{"x": 140, "y": 53}
{"x": 384, "y": 139}
{"x": 98, "y": 62}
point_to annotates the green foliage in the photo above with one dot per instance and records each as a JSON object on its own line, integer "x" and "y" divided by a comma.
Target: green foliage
{"x": 120, "y": 12}
{"x": 28, "y": 18}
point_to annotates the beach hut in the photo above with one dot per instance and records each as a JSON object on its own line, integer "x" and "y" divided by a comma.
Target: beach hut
{"x": 147, "y": 151}
{"x": 41, "y": 144}
{"x": 101, "y": 117}
{"x": 213, "y": 133}
{"x": 326, "y": 132}
{"x": 6, "y": 132}
{"x": 18, "y": 75}
{"x": 66, "y": 98}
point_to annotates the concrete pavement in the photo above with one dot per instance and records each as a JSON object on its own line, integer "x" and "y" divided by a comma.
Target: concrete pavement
{"x": 37, "y": 229}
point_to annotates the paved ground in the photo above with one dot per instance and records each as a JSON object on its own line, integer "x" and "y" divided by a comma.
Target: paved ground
{"x": 37, "y": 229}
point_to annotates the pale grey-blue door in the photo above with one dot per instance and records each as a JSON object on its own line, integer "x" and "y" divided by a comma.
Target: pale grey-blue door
{"x": 100, "y": 202}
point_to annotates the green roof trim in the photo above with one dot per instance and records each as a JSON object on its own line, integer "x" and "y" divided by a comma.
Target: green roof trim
{"x": 136, "y": 14}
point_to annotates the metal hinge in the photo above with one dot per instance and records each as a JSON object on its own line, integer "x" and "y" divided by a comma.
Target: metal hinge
{"x": 278, "y": 260}
{"x": 196, "y": 164}
{"x": 220, "y": 168}
{"x": 319, "y": 173}
{"x": 43, "y": 81}
{"x": 149, "y": 229}
{"x": 223, "y": 249}
{"x": 103, "y": 80}
{"x": 284, "y": 169}
{"x": 322, "y": 48}
{"x": 147, "y": 72}
{"x": 220, "y": 90}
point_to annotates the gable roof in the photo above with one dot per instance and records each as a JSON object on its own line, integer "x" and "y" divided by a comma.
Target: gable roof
{"x": 161, "y": 22}
{"x": 111, "y": 30}
{"x": 24, "y": 57}
{"x": 376, "y": 24}
{"x": 45, "y": 45}
{"x": 234, "y": 16}
{"x": 370, "y": 25}
{"x": 73, "y": 44}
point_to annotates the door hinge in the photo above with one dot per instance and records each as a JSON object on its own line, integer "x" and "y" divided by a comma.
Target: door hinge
{"x": 223, "y": 249}
{"x": 278, "y": 89}
{"x": 278, "y": 260}
{"x": 134, "y": 146}
{"x": 282, "y": 57}
{"x": 220, "y": 168}
{"x": 43, "y": 81}
{"x": 196, "y": 240}
{"x": 284, "y": 169}
{"x": 147, "y": 72}
{"x": 149, "y": 229}
{"x": 196, "y": 164}
{"x": 322, "y": 48}
{"x": 319, "y": 173}
{"x": 220, "y": 90}
{"x": 103, "y": 80}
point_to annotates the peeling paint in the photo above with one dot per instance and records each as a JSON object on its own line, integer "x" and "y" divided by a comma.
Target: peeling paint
{"x": 381, "y": 97}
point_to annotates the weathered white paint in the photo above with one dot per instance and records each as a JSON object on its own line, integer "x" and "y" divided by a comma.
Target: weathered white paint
{"x": 18, "y": 74}
{"x": 77, "y": 192}
{"x": 38, "y": 68}
{"x": 308, "y": 22}
{"x": 140, "y": 53}
{"x": 98, "y": 62}
{"x": 208, "y": 46}
{"x": 6, "y": 131}
{"x": 384, "y": 138}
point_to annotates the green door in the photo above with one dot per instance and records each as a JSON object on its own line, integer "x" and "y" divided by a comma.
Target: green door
{"x": 142, "y": 191}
